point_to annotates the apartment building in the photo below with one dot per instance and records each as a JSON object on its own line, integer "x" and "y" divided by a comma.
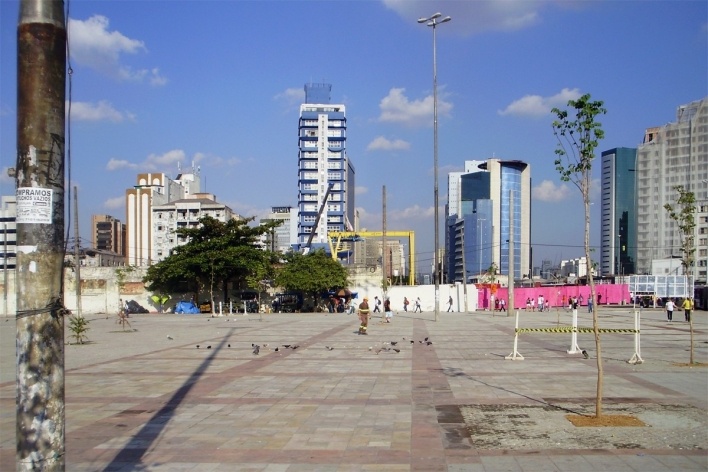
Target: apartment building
{"x": 672, "y": 155}
{"x": 325, "y": 173}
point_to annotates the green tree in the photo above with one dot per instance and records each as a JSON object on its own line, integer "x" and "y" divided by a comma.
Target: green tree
{"x": 578, "y": 136}
{"x": 686, "y": 223}
{"x": 215, "y": 253}
{"x": 490, "y": 274}
{"x": 685, "y": 220}
{"x": 312, "y": 274}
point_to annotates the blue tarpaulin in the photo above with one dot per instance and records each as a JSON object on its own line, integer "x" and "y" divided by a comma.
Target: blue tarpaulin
{"x": 187, "y": 308}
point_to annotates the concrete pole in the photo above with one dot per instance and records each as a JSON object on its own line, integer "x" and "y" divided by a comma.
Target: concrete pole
{"x": 41, "y": 83}
{"x": 384, "y": 245}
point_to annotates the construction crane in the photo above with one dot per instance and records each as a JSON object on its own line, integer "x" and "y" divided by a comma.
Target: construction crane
{"x": 317, "y": 220}
{"x": 337, "y": 237}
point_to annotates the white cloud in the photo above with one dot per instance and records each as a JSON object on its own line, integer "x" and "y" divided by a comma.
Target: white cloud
{"x": 215, "y": 161}
{"x": 383, "y": 144}
{"x": 101, "y": 111}
{"x": 292, "y": 97}
{"x": 166, "y": 160}
{"x": 117, "y": 164}
{"x": 170, "y": 159}
{"x": 415, "y": 212}
{"x": 156, "y": 79}
{"x": 92, "y": 45}
{"x": 397, "y": 108}
{"x": 536, "y": 105}
{"x": 114, "y": 203}
{"x": 548, "y": 191}
{"x": 474, "y": 17}
{"x": 359, "y": 190}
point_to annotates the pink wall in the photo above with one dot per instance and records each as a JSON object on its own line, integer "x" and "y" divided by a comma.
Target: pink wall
{"x": 608, "y": 294}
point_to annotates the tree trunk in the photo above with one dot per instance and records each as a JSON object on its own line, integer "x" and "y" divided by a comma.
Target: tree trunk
{"x": 591, "y": 282}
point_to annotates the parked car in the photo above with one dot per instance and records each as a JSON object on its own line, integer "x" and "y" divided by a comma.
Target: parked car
{"x": 287, "y": 302}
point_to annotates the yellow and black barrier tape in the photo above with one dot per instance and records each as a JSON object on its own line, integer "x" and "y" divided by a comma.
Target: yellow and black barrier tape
{"x": 570, "y": 329}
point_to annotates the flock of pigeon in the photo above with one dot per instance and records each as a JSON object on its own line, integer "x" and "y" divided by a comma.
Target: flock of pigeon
{"x": 384, "y": 346}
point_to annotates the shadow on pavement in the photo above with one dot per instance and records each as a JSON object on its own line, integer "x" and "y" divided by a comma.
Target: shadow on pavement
{"x": 134, "y": 451}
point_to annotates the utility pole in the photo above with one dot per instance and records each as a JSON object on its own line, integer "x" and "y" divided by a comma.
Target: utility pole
{"x": 384, "y": 246}
{"x": 41, "y": 84}
{"x": 77, "y": 252}
{"x": 464, "y": 263}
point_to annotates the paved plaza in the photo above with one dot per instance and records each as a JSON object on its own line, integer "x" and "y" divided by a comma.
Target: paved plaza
{"x": 188, "y": 393}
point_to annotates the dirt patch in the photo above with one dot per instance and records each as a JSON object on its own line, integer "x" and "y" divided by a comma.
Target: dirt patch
{"x": 688, "y": 364}
{"x": 545, "y": 426}
{"x": 604, "y": 420}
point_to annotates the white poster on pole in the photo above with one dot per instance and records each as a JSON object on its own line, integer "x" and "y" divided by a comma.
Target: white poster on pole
{"x": 34, "y": 205}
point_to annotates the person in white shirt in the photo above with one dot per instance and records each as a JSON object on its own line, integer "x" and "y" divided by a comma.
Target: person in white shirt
{"x": 670, "y": 310}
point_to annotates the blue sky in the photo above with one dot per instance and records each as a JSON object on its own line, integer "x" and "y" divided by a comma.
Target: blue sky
{"x": 219, "y": 83}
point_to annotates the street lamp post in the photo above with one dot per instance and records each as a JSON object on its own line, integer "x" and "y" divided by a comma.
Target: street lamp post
{"x": 480, "y": 240}
{"x": 433, "y": 22}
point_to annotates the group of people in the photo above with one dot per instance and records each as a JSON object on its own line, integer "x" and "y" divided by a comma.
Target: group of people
{"x": 543, "y": 304}
{"x": 417, "y": 308}
{"x": 686, "y": 306}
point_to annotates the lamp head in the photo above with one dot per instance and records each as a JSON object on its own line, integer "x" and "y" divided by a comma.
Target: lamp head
{"x": 436, "y": 15}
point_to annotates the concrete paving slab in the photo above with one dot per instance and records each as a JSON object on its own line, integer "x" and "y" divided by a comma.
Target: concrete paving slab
{"x": 149, "y": 399}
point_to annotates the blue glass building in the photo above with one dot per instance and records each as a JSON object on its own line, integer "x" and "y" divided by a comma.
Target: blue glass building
{"x": 618, "y": 254}
{"x": 481, "y": 229}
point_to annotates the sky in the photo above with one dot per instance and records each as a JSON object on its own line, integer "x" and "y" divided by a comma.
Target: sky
{"x": 218, "y": 83}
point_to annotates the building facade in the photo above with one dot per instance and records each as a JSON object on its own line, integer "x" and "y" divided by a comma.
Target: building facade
{"x": 108, "y": 234}
{"x": 180, "y": 214}
{"x": 618, "y": 238}
{"x": 477, "y": 237}
{"x": 284, "y": 236}
{"x": 675, "y": 154}
{"x": 325, "y": 173}
{"x": 151, "y": 189}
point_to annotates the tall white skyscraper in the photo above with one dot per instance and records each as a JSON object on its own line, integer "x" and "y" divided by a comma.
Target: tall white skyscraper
{"x": 324, "y": 170}
{"x": 671, "y": 155}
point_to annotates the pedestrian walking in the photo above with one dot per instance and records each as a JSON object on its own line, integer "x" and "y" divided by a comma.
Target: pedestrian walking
{"x": 387, "y": 310}
{"x": 417, "y": 306}
{"x": 377, "y": 305}
{"x": 449, "y": 304}
{"x": 687, "y": 306}
{"x": 670, "y": 310}
{"x": 502, "y": 303}
{"x": 364, "y": 316}
{"x": 405, "y": 303}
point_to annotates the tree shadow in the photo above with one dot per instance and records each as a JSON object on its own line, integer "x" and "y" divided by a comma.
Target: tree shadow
{"x": 133, "y": 452}
{"x": 455, "y": 372}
